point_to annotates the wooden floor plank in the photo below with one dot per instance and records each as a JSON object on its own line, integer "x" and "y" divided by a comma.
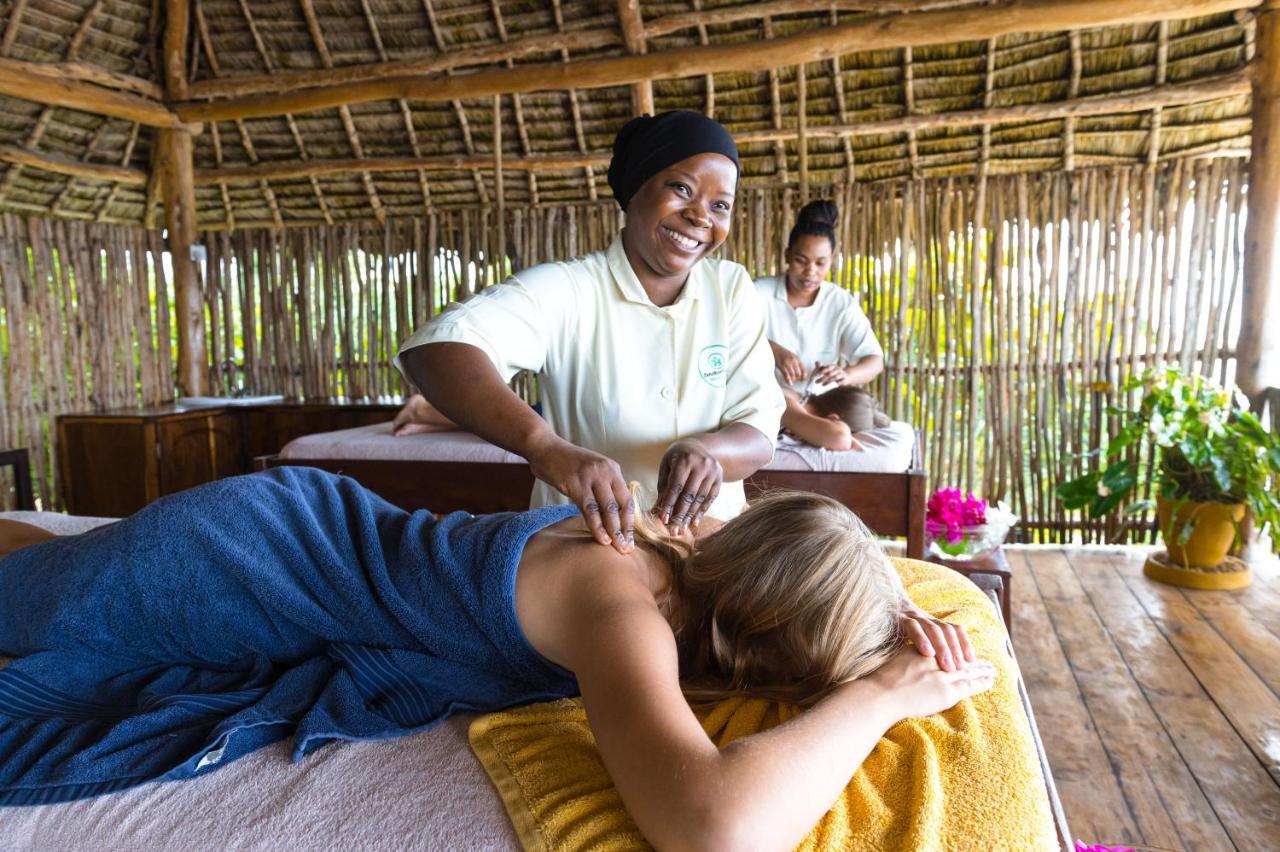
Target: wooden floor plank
{"x": 1161, "y": 792}
{"x": 1258, "y": 646}
{"x": 1252, "y": 708}
{"x": 1225, "y": 770}
{"x": 1262, "y": 597}
{"x": 1091, "y": 797}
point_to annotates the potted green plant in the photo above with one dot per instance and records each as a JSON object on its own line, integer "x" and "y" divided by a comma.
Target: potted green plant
{"x": 1212, "y": 462}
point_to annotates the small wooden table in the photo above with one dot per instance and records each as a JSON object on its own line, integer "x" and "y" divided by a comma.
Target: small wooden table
{"x": 989, "y": 573}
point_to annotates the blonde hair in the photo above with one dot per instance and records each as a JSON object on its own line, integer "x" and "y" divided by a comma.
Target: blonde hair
{"x": 789, "y": 599}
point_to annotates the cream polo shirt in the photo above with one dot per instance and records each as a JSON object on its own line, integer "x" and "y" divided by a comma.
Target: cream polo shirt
{"x": 619, "y": 375}
{"x": 833, "y": 330}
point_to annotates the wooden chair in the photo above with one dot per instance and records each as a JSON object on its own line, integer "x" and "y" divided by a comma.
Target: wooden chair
{"x": 20, "y": 461}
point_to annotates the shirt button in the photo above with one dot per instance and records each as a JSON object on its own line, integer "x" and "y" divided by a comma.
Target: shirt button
{"x": 667, "y": 393}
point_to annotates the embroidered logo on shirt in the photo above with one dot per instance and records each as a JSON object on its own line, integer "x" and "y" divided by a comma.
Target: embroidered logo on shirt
{"x": 713, "y": 364}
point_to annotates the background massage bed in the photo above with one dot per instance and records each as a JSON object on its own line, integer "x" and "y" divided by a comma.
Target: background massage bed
{"x": 426, "y": 791}
{"x": 448, "y": 471}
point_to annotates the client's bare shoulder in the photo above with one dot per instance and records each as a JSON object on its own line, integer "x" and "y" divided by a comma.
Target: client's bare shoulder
{"x": 565, "y": 576}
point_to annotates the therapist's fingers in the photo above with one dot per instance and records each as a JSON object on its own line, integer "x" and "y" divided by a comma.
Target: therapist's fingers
{"x": 792, "y": 370}
{"x": 626, "y": 515}
{"x": 705, "y": 500}
{"x": 590, "y": 507}
{"x": 668, "y": 494}
{"x": 687, "y": 503}
{"x": 611, "y": 516}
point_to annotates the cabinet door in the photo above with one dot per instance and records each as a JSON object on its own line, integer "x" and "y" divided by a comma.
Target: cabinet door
{"x": 186, "y": 453}
{"x": 107, "y": 465}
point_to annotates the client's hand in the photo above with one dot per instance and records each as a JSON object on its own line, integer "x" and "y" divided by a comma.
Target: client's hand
{"x": 916, "y": 687}
{"x": 419, "y": 416}
{"x": 688, "y": 482}
{"x": 594, "y": 483}
{"x": 944, "y": 641}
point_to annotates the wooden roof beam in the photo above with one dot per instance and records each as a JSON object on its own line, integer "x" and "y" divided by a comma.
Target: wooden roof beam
{"x": 98, "y": 76}
{"x": 531, "y": 45}
{"x": 46, "y": 114}
{"x": 19, "y": 156}
{"x": 348, "y": 124}
{"x": 751, "y": 11}
{"x": 405, "y": 114}
{"x": 632, "y": 26}
{"x": 444, "y": 60}
{"x": 588, "y": 172}
{"x": 11, "y": 26}
{"x": 521, "y": 130}
{"x": 104, "y": 208}
{"x": 32, "y": 81}
{"x": 865, "y": 33}
{"x": 458, "y": 110}
{"x": 1169, "y": 95}
{"x": 293, "y": 170}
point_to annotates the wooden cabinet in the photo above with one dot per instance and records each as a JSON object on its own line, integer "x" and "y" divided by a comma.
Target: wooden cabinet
{"x": 114, "y": 463}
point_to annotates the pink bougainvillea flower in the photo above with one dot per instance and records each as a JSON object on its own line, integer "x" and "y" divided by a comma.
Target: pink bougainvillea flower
{"x": 951, "y": 509}
{"x": 1081, "y": 846}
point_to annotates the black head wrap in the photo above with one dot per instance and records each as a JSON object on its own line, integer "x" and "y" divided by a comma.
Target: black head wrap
{"x": 648, "y": 144}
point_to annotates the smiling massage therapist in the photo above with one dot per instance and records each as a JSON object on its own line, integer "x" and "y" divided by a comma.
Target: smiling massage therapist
{"x": 652, "y": 359}
{"x": 819, "y": 335}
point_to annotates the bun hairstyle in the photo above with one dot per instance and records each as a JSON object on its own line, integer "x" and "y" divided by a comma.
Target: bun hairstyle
{"x": 816, "y": 219}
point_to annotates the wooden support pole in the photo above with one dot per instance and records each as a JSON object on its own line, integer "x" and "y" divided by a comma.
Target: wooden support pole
{"x": 865, "y": 33}
{"x": 1256, "y": 347}
{"x": 177, "y": 178}
{"x": 180, "y": 221}
{"x": 802, "y": 137}
{"x": 497, "y": 183}
{"x": 177, "y": 28}
{"x": 36, "y": 82}
{"x": 632, "y": 26}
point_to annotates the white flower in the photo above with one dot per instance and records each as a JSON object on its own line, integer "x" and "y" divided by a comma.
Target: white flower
{"x": 1103, "y": 491}
{"x": 1205, "y": 418}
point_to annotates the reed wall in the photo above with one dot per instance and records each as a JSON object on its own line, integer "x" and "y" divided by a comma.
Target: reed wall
{"x": 1009, "y": 306}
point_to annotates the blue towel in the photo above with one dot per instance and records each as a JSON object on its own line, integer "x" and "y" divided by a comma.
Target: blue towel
{"x": 226, "y": 617}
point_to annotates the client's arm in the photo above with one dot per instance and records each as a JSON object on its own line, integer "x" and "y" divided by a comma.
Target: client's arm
{"x": 463, "y": 385}
{"x": 762, "y": 792}
{"x": 420, "y": 416}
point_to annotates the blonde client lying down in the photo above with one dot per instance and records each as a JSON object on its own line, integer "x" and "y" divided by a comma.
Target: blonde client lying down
{"x": 295, "y": 602}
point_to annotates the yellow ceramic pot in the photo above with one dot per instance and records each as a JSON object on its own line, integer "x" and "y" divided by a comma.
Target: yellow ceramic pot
{"x": 1213, "y": 533}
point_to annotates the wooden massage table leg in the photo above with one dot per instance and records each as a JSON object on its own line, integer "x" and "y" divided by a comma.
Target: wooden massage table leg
{"x": 916, "y": 500}
{"x": 21, "y": 464}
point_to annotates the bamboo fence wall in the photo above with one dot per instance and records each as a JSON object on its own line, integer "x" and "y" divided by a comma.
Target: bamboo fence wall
{"x": 1008, "y": 306}
{"x": 85, "y": 323}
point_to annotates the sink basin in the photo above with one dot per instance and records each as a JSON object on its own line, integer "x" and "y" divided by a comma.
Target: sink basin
{"x": 208, "y": 401}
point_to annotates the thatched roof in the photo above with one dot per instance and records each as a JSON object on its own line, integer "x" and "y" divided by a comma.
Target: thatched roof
{"x": 251, "y": 49}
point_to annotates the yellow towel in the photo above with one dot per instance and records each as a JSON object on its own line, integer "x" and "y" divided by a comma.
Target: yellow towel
{"x": 967, "y": 779}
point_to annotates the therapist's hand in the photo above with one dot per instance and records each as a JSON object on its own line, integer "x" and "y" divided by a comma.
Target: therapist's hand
{"x": 594, "y": 483}
{"x": 688, "y": 483}
{"x": 830, "y": 374}
{"x": 788, "y": 363}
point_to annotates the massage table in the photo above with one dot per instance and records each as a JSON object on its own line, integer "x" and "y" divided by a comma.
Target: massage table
{"x": 426, "y": 791}
{"x": 883, "y": 484}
